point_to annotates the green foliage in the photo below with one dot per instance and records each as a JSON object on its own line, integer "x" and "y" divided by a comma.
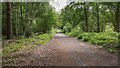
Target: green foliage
{"x": 107, "y": 39}
{"x": 20, "y": 44}
{"x": 30, "y": 18}
{"x": 33, "y": 24}
{"x": 75, "y": 32}
{"x": 11, "y": 49}
{"x": 103, "y": 38}
{"x": 98, "y": 19}
{"x": 102, "y": 23}
{"x": 67, "y": 28}
{"x": 86, "y": 36}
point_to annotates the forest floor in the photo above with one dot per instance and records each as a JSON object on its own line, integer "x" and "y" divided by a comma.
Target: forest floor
{"x": 63, "y": 50}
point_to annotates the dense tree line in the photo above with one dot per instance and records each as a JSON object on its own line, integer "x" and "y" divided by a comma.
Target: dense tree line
{"x": 95, "y": 22}
{"x": 26, "y": 18}
{"x": 91, "y": 16}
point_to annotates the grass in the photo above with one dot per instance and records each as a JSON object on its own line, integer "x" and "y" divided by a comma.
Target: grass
{"x": 14, "y": 46}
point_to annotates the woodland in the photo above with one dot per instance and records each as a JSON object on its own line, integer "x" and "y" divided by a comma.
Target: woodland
{"x": 29, "y": 24}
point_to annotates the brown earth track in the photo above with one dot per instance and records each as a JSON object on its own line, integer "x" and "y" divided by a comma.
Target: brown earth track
{"x": 63, "y": 50}
{"x": 72, "y": 52}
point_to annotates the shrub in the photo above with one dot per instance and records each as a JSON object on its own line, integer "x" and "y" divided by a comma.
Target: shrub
{"x": 75, "y": 32}
{"x": 107, "y": 39}
{"x": 67, "y": 28}
{"x": 79, "y": 36}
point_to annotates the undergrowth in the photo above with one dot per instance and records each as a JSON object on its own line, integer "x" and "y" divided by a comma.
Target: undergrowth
{"x": 14, "y": 46}
{"x": 107, "y": 39}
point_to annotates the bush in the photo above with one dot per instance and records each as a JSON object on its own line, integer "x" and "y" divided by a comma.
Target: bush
{"x": 79, "y": 36}
{"x": 75, "y": 32}
{"x": 104, "y": 38}
{"x": 67, "y": 28}
{"x": 85, "y": 36}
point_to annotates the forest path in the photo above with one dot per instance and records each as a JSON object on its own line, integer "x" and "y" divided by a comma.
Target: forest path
{"x": 72, "y": 52}
{"x": 63, "y": 50}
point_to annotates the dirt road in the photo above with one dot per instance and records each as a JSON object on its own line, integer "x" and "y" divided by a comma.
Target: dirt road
{"x": 72, "y": 52}
{"x": 66, "y": 51}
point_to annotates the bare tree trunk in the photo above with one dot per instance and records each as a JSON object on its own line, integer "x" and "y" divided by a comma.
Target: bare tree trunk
{"x": 16, "y": 24}
{"x": 27, "y": 28}
{"x": 9, "y": 21}
{"x": 86, "y": 18}
{"x": 117, "y": 18}
{"x": 21, "y": 10}
{"x": 21, "y": 17}
{"x": 18, "y": 21}
{"x": 98, "y": 22}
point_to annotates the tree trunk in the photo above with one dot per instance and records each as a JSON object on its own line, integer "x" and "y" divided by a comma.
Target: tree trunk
{"x": 16, "y": 24}
{"x": 21, "y": 18}
{"x": 9, "y": 21}
{"x": 117, "y": 18}
{"x": 27, "y": 28}
{"x": 98, "y": 22}
{"x": 86, "y": 17}
{"x": 18, "y": 21}
{"x": 26, "y": 21}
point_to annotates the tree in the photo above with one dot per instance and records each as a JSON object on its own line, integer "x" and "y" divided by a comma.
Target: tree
{"x": 117, "y": 17}
{"x": 28, "y": 18}
{"x": 86, "y": 16}
{"x": 9, "y": 20}
{"x": 98, "y": 23}
{"x": 91, "y": 17}
{"x": 115, "y": 9}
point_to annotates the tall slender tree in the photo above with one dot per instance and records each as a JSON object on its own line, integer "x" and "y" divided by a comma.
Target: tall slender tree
{"x": 86, "y": 16}
{"x": 98, "y": 21}
{"x": 115, "y": 7}
{"x": 9, "y": 20}
{"x": 117, "y": 16}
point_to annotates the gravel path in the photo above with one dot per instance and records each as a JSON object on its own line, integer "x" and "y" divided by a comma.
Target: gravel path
{"x": 66, "y": 51}
{"x": 72, "y": 52}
